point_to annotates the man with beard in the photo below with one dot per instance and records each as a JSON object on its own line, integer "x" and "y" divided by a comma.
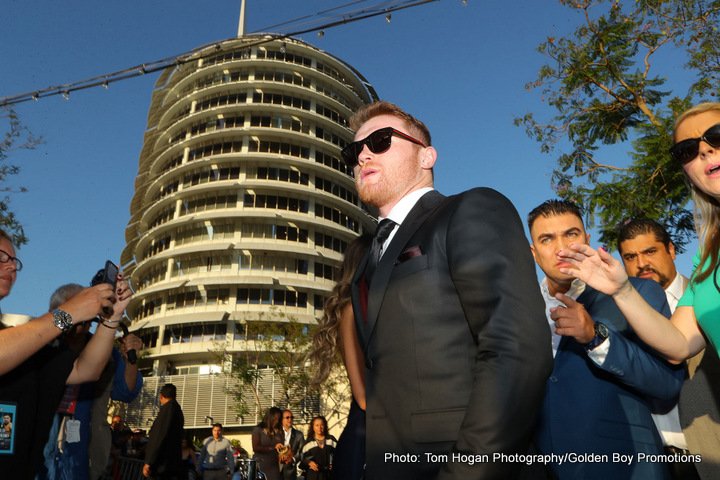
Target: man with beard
{"x": 448, "y": 312}
{"x": 598, "y": 397}
{"x": 647, "y": 251}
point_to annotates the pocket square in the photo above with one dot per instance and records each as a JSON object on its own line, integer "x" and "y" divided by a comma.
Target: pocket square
{"x": 408, "y": 253}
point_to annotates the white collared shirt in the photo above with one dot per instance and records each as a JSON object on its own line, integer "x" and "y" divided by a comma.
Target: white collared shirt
{"x": 288, "y": 433}
{"x": 675, "y": 291}
{"x": 577, "y": 287}
{"x": 669, "y": 424}
{"x": 401, "y": 210}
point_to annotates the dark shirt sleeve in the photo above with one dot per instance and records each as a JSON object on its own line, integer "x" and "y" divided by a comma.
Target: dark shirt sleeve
{"x": 297, "y": 448}
{"x": 229, "y": 456}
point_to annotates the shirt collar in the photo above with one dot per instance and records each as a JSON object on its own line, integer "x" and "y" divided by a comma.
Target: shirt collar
{"x": 403, "y": 207}
{"x": 577, "y": 287}
{"x": 677, "y": 286}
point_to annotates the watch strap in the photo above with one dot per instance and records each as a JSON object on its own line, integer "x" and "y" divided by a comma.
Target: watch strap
{"x": 601, "y": 334}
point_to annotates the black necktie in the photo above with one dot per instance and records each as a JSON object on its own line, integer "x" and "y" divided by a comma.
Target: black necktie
{"x": 384, "y": 228}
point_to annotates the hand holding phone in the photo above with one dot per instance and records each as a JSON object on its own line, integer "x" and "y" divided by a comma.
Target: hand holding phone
{"x": 108, "y": 274}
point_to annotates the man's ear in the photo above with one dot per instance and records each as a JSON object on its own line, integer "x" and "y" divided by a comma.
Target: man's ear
{"x": 532, "y": 250}
{"x": 428, "y": 158}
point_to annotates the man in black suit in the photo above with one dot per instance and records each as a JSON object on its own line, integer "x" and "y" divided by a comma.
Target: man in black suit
{"x": 163, "y": 457}
{"x": 294, "y": 440}
{"x": 448, "y": 312}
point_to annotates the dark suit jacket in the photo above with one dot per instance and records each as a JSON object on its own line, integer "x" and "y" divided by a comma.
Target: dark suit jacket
{"x": 163, "y": 449}
{"x": 606, "y": 409}
{"x": 288, "y": 470}
{"x": 456, "y": 343}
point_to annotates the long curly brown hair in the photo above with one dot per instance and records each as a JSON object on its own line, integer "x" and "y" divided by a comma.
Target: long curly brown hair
{"x": 325, "y": 353}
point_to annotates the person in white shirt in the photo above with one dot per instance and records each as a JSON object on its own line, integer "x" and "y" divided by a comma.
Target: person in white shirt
{"x": 294, "y": 439}
{"x": 597, "y": 399}
{"x": 647, "y": 251}
{"x": 216, "y": 457}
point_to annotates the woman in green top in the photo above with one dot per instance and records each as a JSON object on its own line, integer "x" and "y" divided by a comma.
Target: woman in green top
{"x": 697, "y": 150}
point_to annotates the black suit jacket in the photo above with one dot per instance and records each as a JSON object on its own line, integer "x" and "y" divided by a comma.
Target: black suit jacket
{"x": 456, "y": 342}
{"x": 297, "y": 440}
{"x": 163, "y": 449}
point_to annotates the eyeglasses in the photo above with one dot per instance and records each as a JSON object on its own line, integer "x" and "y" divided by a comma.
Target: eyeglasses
{"x": 289, "y": 416}
{"x": 688, "y": 149}
{"x": 377, "y": 142}
{"x": 6, "y": 257}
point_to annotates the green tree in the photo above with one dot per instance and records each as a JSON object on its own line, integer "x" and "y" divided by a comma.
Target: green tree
{"x": 607, "y": 84}
{"x": 15, "y": 136}
{"x": 272, "y": 369}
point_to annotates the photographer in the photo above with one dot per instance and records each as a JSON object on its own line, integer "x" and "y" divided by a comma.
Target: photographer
{"x": 84, "y": 407}
{"x": 33, "y": 374}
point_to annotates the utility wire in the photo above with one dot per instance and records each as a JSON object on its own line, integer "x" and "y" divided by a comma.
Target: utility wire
{"x": 383, "y": 8}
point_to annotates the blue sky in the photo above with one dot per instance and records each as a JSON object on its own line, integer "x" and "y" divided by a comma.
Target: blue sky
{"x": 461, "y": 69}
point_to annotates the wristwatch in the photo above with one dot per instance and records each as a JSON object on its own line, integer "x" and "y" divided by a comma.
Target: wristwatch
{"x": 62, "y": 320}
{"x": 601, "y": 334}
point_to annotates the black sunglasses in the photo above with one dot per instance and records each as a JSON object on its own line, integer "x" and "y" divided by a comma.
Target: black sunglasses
{"x": 688, "y": 149}
{"x": 377, "y": 142}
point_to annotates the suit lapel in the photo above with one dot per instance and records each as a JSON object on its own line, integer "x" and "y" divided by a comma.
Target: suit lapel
{"x": 420, "y": 212}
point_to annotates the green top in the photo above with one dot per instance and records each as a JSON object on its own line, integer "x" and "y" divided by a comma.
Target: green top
{"x": 704, "y": 297}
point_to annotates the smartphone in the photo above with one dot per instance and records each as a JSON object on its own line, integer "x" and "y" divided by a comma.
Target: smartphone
{"x": 106, "y": 275}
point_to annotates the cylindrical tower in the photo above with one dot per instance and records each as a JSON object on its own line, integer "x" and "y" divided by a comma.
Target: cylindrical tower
{"x": 242, "y": 206}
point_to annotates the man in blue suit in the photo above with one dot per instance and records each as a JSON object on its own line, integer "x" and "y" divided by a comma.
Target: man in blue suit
{"x": 596, "y": 414}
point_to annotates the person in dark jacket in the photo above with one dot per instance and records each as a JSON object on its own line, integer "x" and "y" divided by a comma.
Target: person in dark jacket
{"x": 163, "y": 458}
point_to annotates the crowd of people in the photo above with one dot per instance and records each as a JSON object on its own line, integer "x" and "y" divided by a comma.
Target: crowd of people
{"x": 460, "y": 364}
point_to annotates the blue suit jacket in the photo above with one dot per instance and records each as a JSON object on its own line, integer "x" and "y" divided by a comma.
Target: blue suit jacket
{"x": 605, "y": 410}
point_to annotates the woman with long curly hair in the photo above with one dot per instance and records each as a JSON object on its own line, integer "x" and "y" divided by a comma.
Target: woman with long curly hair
{"x": 336, "y": 335}
{"x": 267, "y": 439}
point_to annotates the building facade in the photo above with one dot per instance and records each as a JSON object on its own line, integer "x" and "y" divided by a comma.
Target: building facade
{"x": 242, "y": 210}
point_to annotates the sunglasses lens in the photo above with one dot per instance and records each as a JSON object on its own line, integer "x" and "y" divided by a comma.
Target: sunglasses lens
{"x": 379, "y": 141}
{"x": 686, "y": 150}
{"x": 712, "y": 136}
{"x": 350, "y": 153}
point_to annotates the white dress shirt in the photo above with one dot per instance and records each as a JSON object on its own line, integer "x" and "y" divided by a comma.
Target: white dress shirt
{"x": 401, "y": 210}
{"x": 576, "y": 289}
{"x": 668, "y": 424}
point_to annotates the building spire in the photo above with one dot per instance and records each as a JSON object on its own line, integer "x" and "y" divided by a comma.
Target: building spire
{"x": 241, "y": 22}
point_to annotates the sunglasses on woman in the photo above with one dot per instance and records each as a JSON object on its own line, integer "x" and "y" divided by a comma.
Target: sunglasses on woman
{"x": 688, "y": 149}
{"x": 377, "y": 142}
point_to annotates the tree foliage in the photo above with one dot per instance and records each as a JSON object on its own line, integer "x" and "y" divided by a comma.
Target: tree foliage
{"x": 279, "y": 348}
{"x": 608, "y": 84}
{"x": 15, "y": 136}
